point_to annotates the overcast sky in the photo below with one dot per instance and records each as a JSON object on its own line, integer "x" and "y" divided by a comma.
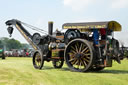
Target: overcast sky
{"x": 39, "y": 12}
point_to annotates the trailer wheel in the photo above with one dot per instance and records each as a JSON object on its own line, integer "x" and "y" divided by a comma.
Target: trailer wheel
{"x": 58, "y": 63}
{"x": 38, "y": 60}
{"x": 79, "y": 55}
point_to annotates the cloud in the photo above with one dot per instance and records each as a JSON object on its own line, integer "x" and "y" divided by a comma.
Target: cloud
{"x": 86, "y": 20}
{"x": 77, "y": 4}
{"x": 119, "y": 3}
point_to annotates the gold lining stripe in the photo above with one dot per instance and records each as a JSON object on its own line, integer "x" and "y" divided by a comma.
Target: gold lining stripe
{"x": 30, "y": 42}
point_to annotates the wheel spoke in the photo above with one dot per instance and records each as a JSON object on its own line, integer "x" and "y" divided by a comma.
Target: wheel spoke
{"x": 76, "y": 62}
{"x": 38, "y": 63}
{"x": 80, "y": 47}
{"x": 72, "y": 59}
{"x": 80, "y": 63}
{"x": 85, "y": 60}
{"x": 86, "y": 54}
{"x": 84, "y": 49}
{"x": 76, "y": 48}
{"x": 73, "y": 48}
{"x": 38, "y": 60}
{"x": 73, "y": 51}
{"x": 85, "y": 64}
{"x": 71, "y": 54}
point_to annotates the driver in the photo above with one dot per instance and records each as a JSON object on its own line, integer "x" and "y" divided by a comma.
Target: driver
{"x": 103, "y": 36}
{"x": 103, "y": 33}
{"x": 96, "y": 37}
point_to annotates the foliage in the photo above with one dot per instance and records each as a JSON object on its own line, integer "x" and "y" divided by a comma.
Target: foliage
{"x": 25, "y": 46}
{"x": 11, "y": 43}
{"x": 1, "y": 46}
{"x": 19, "y": 71}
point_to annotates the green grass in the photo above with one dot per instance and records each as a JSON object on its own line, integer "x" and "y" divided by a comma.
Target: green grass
{"x": 19, "y": 71}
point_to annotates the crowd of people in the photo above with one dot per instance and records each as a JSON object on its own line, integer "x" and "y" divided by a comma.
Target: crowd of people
{"x": 19, "y": 53}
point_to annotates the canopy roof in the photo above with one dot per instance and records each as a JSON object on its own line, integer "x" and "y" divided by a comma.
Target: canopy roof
{"x": 84, "y": 26}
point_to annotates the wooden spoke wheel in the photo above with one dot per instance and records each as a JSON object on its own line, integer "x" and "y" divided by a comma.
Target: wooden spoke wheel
{"x": 38, "y": 60}
{"x": 58, "y": 63}
{"x": 79, "y": 55}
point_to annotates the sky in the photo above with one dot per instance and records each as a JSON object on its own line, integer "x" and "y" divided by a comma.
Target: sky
{"x": 39, "y": 12}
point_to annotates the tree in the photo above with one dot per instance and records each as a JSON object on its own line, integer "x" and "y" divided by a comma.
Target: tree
{"x": 10, "y": 43}
{"x": 1, "y": 45}
{"x": 25, "y": 46}
{"x": 13, "y": 44}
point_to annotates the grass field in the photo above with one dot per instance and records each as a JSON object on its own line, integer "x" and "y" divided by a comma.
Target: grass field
{"x": 19, "y": 71}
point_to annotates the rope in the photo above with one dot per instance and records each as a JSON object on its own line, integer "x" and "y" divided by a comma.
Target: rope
{"x": 37, "y": 29}
{"x": 34, "y": 28}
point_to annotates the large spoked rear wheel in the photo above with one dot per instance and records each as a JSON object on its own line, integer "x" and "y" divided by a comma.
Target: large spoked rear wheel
{"x": 79, "y": 55}
{"x": 38, "y": 60}
{"x": 58, "y": 63}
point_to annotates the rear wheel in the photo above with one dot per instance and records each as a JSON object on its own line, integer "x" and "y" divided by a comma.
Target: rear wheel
{"x": 58, "y": 63}
{"x": 79, "y": 55}
{"x": 38, "y": 60}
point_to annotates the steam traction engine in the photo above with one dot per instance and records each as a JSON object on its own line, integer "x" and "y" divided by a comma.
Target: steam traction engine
{"x": 76, "y": 46}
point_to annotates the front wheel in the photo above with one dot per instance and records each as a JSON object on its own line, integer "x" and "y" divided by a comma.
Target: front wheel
{"x": 38, "y": 60}
{"x": 79, "y": 55}
{"x": 58, "y": 63}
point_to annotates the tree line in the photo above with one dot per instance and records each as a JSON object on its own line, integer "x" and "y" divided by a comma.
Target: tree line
{"x": 9, "y": 44}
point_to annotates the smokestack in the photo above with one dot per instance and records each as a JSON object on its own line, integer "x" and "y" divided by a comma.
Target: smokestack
{"x": 50, "y": 28}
